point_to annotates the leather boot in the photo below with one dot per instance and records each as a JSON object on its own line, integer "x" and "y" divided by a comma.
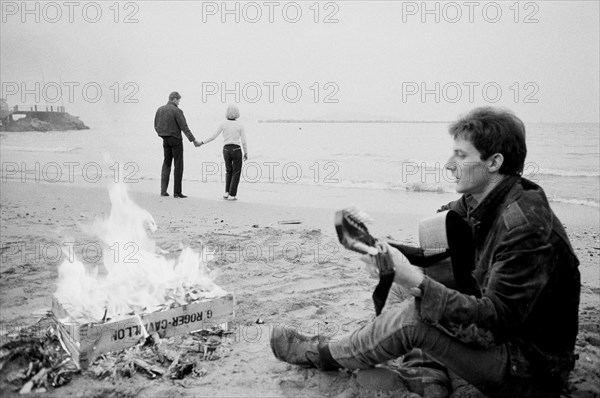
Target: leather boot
{"x": 292, "y": 347}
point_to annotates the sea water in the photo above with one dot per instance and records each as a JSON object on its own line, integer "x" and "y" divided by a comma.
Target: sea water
{"x": 387, "y": 159}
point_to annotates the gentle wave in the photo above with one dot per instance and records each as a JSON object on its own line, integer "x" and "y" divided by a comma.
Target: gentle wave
{"x": 580, "y": 202}
{"x": 566, "y": 173}
{"x": 385, "y": 186}
{"x": 414, "y": 187}
{"x": 32, "y": 149}
{"x": 434, "y": 188}
{"x": 579, "y": 154}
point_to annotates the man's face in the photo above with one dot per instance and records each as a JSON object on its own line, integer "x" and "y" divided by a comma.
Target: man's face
{"x": 176, "y": 101}
{"x": 471, "y": 173}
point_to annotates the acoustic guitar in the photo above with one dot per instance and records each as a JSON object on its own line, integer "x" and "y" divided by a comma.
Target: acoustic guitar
{"x": 446, "y": 252}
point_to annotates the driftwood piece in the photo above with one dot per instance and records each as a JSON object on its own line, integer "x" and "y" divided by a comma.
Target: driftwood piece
{"x": 150, "y": 369}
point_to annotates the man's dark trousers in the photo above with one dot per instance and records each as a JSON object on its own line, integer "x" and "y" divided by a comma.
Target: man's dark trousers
{"x": 173, "y": 148}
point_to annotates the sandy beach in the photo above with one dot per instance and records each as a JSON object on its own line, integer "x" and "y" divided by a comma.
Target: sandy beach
{"x": 302, "y": 276}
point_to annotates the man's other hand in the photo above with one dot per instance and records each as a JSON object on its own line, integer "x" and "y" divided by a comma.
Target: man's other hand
{"x": 406, "y": 275}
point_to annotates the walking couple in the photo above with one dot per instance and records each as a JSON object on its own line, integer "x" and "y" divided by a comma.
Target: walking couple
{"x": 169, "y": 122}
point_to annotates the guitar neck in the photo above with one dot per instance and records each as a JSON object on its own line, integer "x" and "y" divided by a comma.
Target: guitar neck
{"x": 417, "y": 256}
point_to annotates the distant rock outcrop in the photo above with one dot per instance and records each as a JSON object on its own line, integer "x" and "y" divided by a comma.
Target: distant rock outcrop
{"x": 54, "y": 119}
{"x": 53, "y": 122}
{"x": 29, "y": 124}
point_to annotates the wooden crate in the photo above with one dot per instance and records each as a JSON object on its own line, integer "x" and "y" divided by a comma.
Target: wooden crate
{"x": 86, "y": 342}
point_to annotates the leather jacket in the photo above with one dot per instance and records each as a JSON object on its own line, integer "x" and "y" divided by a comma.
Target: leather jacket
{"x": 170, "y": 122}
{"x": 528, "y": 275}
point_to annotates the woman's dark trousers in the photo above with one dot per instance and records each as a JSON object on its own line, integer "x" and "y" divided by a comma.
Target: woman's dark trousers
{"x": 233, "y": 165}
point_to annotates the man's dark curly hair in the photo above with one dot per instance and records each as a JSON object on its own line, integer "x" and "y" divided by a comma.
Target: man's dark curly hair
{"x": 494, "y": 130}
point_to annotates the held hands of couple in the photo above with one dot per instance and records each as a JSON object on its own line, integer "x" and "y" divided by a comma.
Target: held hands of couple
{"x": 245, "y": 156}
{"x": 389, "y": 258}
{"x": 198, "y": 143}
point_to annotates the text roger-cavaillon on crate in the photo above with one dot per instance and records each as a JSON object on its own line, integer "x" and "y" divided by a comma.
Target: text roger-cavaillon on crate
{"x": 87, "y": 341}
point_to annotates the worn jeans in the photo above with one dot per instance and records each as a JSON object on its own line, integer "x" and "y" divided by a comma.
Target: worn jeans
{"x": 399, "y": 330}
{"x": 232, "y": 154}
{"x": 173, "y": 150}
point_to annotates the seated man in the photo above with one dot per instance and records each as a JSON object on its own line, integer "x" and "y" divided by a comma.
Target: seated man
{"x": 517, "y": 339}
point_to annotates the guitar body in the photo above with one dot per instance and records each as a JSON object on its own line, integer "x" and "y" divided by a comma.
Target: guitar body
{"x": 447, "y": 253}
{"x": 438, "y": 266}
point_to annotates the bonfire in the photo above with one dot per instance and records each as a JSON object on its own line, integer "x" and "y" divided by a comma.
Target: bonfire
{"x": 130, "y": 312}
{"x": 135, "y": 276}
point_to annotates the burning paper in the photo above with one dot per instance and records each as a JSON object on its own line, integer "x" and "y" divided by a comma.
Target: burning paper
{"x": 138, "y": 280}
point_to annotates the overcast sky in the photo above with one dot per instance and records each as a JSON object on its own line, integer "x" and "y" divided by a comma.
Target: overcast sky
{"x": 352, "y": 59}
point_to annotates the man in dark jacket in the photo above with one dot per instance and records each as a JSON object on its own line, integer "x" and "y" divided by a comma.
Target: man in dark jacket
{"x": 169, "y": 122}
{"x": 517, "y": 339}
